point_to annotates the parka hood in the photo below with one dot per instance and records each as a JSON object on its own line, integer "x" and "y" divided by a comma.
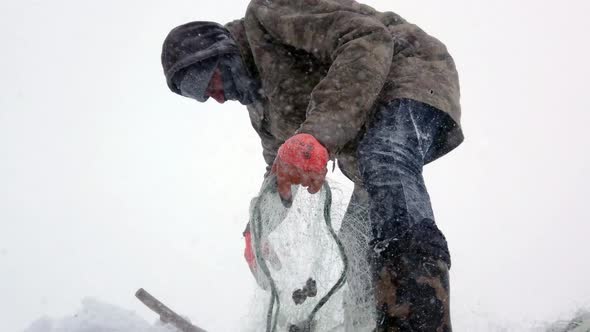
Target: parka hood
{"x": 191, "y": 43}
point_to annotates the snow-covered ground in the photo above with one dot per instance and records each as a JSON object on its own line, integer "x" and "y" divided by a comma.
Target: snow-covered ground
{"x": 96, "y": 316}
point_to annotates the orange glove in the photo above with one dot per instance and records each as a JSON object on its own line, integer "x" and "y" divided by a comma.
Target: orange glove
{"x": 300, "y": 160}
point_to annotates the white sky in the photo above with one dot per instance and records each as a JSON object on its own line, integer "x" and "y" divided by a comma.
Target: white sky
{"x": 109, "y": 182}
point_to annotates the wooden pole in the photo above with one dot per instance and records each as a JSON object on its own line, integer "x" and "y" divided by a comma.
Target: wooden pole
{"x": 166, "y": 314}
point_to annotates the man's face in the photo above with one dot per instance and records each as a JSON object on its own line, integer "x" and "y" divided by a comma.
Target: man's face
{"x": 215, "y": 88}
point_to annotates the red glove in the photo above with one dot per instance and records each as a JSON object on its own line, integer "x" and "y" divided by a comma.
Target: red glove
{"x": 267, "y": 252}
{"x": 300, "y": 160}
{"x": 248, "y": 251}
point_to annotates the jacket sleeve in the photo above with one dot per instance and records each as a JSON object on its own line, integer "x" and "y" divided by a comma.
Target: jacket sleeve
{"x": 270, "y": 144}
{"x": 357, "y": 47}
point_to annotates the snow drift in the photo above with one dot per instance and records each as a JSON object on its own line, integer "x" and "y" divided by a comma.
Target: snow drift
{"x": 96, "y": 316}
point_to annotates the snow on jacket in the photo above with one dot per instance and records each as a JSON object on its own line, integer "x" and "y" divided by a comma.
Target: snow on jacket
{"x": 325, "y": 65}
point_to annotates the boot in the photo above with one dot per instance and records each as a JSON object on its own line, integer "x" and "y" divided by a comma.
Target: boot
{"x": 412, "y": 294}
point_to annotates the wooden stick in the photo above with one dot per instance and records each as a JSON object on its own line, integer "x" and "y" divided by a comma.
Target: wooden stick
{"x": 166, "y": 314}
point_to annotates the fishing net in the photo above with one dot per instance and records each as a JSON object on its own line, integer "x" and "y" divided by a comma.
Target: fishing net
{"x": 312, "y": 270}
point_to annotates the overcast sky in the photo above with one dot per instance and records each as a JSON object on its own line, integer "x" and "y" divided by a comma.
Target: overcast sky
{"x": 109, "y": 182}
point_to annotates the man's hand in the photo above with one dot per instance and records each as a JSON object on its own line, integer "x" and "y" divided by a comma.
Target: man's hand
{"x": 268, "y": 254}
{"x": 300, "y": 160}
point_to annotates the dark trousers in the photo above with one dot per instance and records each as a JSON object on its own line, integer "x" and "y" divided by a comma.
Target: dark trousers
{"x": 402, "y": 273}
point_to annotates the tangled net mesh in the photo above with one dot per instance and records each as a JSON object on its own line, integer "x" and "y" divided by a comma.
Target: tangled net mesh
{"x": 298, "y": 248}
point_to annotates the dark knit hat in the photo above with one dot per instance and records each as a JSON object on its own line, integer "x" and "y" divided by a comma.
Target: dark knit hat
{"x": 192, "y": 43}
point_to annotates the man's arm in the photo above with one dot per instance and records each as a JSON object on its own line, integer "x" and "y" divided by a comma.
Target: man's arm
{"x": 357, "y": 45}
{"x": 270, "y": 144}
